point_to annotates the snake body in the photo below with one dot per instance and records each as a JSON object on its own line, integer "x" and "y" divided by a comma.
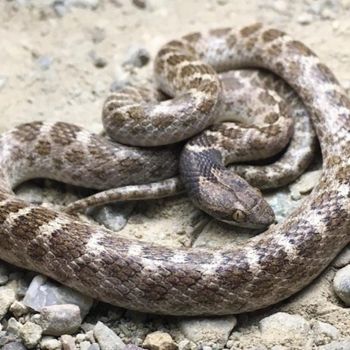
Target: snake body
{"x": 151, "y": 278}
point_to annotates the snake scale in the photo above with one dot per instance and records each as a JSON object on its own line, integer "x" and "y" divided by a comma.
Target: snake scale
{"x": 152, "y": 278}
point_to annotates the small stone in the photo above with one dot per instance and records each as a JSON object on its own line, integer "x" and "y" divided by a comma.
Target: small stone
{"x": 3, "y": 81}
{"x": 43, "y": 292}
{"x": 305, "y": 18}
{"x": 305, "y": 183}
{"x": 282, "y": 327}
{"x": 336, "y": 345}
{"x": 106, "y": 338}
{"x": 30, "y": 334}
{"x": 44, "y": 62}
{"x": 139, "y": 3}
{"x": 341, "y": 284}
{"x": 343, "y": 258}
{"x": 49, "y": 343}
{"x": 132, "y": 347}
{"x": 68, "y": 342}
{"x": 137, "y": 57}
{"x": 60, "y": 319}
{"x": 84, "y": 345}
{"x": 159, "y": 341}
{"x": 94, "y": 346}
{"x": 7, "y": 297}
{"x": 90, "y": 4}
{"x": 14, "y": 346}
{"x": 113, "y": 216}
{"x": 13, "y": 327}
{"x": 18, "y": 309}
{"x": 185, "y": 344}
{"x": 90, "y": 336}
{"x": 325, "y": 329}
{"x": 208, "y": 330}
{"x": 99, "y": 62}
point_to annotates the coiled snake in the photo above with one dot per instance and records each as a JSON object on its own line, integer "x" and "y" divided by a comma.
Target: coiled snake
{"x": 152, "y": 278}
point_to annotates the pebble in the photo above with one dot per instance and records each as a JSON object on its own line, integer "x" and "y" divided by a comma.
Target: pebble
{"x": 3, "y": 81}
{"x": 14, "y": 346}
{"x": 137, "y": 57}
{"x": 305, "y": 183}
{"x": 84, "y": 345}
{"x": 43, "y": 292}
{"x": 341, "y": 284}
{"x": 208, "y": 330}
{"x": 159, "y": 341}
{"x": 18, "y": 309}
{"x": 99, "y": 62}
{"x": 132, "y": 347}
{"x": 326, "y": 329}
{"x": 68, "y": 342}
{"x": 90, "y": 4}
{"x": 343, "y": 258}
{"x": 282, "y": 326}
{"x": 7, "y": 297}
{"x": 60, "y": 319}
{"x": 44, "y": 62}
{"x": 3, "y": 275}
{"x": 106, "y": 338}
{"x": 113, "y": 216}
{"x": 30, "y": 334}
{"x": 94, "y": 346}
{"x": 139, "y": 3}
{"x": 305, "y": 18}
{"x": 49, "y": 343}
{"x": 13, "y": 327}
{"x": 336, "y": 345}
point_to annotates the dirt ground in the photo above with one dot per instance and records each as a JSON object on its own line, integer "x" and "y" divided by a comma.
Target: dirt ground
{"x": 60, "y": 59}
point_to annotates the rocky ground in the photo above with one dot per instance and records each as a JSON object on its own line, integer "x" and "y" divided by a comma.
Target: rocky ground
{"x": 60, "y": 58}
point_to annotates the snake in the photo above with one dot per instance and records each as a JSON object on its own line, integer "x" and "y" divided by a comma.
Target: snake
{"x": 149, "y": 277}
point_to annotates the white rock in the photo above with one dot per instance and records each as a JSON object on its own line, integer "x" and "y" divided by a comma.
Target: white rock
{"x": 14, "y": 346}
{"x": 106, "y": 338}
{"x": 18, "y": 309}
{"x": 336, "y": 345}
{"x": 305, "y": 18}
{"x": 30, "y": 334}
{"x": 159, "y": 341}
{"x": 7, "y": 297}
{"x": 208, "y": 330}
{"x": 60, "y": 319}
{"x": 92, "y": 4}
{"x": 282, "y": 326}
{"x": 49, "y": 343}
{"x": 326, "y": 329}
{"x": 13, "y": 327}
{"x": 85, "y": 345}
{"x": 341, "y": 284}
{"x": 68, "y": 342}
{"x": 43, "y": 292}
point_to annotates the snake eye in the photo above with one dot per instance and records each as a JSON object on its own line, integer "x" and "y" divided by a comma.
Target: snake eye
{"x": 238, "y": 215}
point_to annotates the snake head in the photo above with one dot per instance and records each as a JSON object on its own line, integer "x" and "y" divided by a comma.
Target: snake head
{"x": 229, "y": 198}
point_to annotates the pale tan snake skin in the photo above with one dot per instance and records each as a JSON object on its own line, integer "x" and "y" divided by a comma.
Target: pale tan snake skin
{"x": 150, "y": 278}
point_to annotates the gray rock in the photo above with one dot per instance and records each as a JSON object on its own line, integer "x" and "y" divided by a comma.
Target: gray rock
{"x": 113, "y": 216}
{"x": 7, "y": 297}
{"x": 208, "y": 330}
{"x": 94, "y": 346}
{"x": 84, "y": 345}
{"x": 341, "y": 284}
{"x": 137, "y": 57}
{"x": 89, "y": 4}
{"x": 106, "y": 338}
{"x": 13, "y": 327}
{"x": 159, "y": 341}
{"x": 4, "y": 275}
{"x": 3, "y": 81}
{"x": 30, "y": 334}
{"x": 60, "y": 319}
{"x": 282, "y": 327}
{"x": 14, "y": 346}
{"x": 49, "y": 343}
{"x": 326, "y": 329}
{"x": 44, "y": 62}
{"x": 99, "y": 62}
{"x": 18, "y": 309}
{"x": 43, "y": 292}
{"x": 68, "y": 342}
{"x": 336, "y": 345}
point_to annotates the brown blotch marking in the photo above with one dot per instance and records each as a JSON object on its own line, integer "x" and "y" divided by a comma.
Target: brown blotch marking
{"x": 165, "y": 51}
{"x": 206, "y": 105}
{"x": 28, "y": 132}
{"x": 75, "y": 156}
{"x": 193, "y": 37}
{"x": 271, "y": 118}
{"x": 275, "y": 49}
{"x": 220, "y": 32}
{"x": 210, "y": 87}
{"x": 43, "y": 147}
{"x": 342, "y": 174}
{"x": 10, "y": 208}
{"x": 249, "y": 30}
{"x": 266, "y": 98}
{"x": 231, "y": 41}
{"x": 325, "y": 74}
{"x": 339, "y": 99}
{"x": 176, "y": 59}
{"x": 63, "y": 133}
{"x": 272, "y": 34}
{"x": 251, "y": 43}
{"x": 297, "y": 47}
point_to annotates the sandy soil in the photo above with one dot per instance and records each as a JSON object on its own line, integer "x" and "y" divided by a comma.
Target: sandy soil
{"x": 49, "y": 71}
